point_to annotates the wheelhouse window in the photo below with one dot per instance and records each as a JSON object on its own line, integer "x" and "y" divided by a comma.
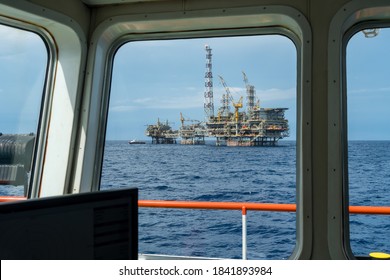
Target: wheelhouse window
{"x": 210, "y": 119}
{"x": 368, "y": 101}
{"x": 23, "y": 66}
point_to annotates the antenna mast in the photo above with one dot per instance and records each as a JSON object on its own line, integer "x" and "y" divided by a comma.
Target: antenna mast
{"x": 208, "y": 94}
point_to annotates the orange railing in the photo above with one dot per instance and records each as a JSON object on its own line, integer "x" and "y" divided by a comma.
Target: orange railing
{"x": 277, "y": 207}
{"x": 217, "y": 205}
{"x": 243, "y": 206}
{"x": 371, "y": 210}
{"x": 11, "y": 198}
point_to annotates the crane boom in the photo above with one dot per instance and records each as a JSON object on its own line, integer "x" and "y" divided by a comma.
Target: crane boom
{"x": 236, "y": 105}
{"x": 246, "y": 80}
{"x": 229, "y": 95}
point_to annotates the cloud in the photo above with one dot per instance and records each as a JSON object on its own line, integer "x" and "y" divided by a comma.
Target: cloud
{"x": 123, "y": 108}
{"x": 16, "y": 42}
{"x": 370, "y": 90}
{"x": 192, "y": 101}
{"x": 276, "y": 94}
{"x": 196, "y": 99}
{"x": 157, "y": 102}
{"x": 272, "y": 94}
{"x": 191, "y": 88}
{"x": 143, "y": 100}
{"x": 269, "y": 41}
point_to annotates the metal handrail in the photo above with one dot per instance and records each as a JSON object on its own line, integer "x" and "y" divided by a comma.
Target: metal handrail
{"x": 11, "y": 198}
{"x": 253, "y": 206}
{"x": 243, "y": 206}
{"x": 216, "y": 205}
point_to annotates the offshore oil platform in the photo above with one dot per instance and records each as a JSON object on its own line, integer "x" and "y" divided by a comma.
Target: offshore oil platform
{"x": 161, "y": 133}
{"x": 192, "y": 132}
{"x": 254, "y": 127}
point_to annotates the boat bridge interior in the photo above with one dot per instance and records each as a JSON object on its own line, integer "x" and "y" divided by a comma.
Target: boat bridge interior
{"x": 82, "y": 37}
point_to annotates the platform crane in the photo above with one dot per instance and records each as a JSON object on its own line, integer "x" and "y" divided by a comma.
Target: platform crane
{"x": 182, "y": 120}
{"x": 246, "y": 80}
{"x": 236, "y": 105}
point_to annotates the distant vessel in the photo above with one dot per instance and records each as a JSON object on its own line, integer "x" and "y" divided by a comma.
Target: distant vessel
{"x": 136, "y": 142}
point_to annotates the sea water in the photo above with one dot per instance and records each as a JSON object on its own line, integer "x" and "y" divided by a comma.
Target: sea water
{"x": 369, "y": 184}
{"x": 250, "y": 174}
{"x": 208, "y": 173}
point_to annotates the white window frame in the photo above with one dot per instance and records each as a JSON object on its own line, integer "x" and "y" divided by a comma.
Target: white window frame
{"x": 348, "y": 20}
{"x": 114, "y": 31}
{"x": 67, "y": 45}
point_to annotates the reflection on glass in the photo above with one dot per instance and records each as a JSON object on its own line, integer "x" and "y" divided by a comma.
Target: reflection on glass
{"x": 23, "y": 63}
{"x": 167, "y": 94}
{"x": 368, "y": 96}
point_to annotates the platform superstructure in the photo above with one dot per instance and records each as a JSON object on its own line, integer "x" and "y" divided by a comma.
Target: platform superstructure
{"x": 264, "y": 127}
{"x": 255, "y": 127}
{"x": 233, "y": 124}
{"x": 192, "y": 132}
{"x": 162, "y": 133}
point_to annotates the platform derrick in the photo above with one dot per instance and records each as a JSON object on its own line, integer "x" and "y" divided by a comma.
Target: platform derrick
{"x": 192, "y": 132}
{"x": 208, "y": 93}
{"x": 162, "y": 133}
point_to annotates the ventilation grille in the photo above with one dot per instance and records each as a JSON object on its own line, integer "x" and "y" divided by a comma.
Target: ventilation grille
{"x": 112, "y": 233}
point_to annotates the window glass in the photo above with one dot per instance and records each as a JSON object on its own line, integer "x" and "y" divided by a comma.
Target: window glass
{"x": 368, "y": 95}
{"x": 193, "y": 130}
{"x": 23, "y": 64}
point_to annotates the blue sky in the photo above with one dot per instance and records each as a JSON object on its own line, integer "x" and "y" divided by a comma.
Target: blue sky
{"x": 160, "y": 79}
{"x": 368, "y": 82}
{"x": 23, "y": 59}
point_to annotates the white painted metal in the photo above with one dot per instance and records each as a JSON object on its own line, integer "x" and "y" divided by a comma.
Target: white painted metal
{"x": 114, "y": 2}
{"x": 68, "y": 43}
{"x": 342, "y": 26}
{"x": 113, "y": 31}
{"x": 244, "y": 236}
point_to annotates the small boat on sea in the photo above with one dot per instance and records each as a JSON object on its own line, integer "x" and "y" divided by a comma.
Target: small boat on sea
{"x": 136, "y": 142}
